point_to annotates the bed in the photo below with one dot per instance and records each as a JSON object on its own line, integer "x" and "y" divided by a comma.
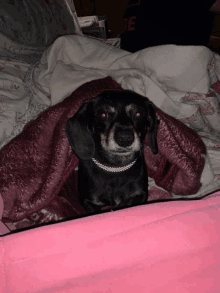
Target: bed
{"x": 48, "y": 243}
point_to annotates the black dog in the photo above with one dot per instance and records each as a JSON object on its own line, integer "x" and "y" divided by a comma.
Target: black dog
{"x": 107, "y": 134}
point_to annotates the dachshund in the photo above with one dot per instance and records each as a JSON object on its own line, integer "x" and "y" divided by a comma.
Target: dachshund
{"x": 107, "y": 134}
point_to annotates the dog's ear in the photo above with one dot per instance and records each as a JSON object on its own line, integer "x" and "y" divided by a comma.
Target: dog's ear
{"x": 153, "y": 127}
{"x": 79, "y": 135}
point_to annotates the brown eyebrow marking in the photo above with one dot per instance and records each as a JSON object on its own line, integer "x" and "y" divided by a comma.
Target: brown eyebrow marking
{"x": 129, "y": 107}
{"x": 111, "y": 109}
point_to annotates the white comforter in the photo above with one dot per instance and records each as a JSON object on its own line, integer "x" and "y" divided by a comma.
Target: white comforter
{"x": 163, "y": 73}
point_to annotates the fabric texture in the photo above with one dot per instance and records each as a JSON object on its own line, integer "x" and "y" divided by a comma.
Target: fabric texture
{"x": 162, "y": 247}
{"x": 36, "y": 23}
{"x": 38, "y": 165}
{"x": 163, "y": 73}
{"x": 184, "y": 150}
{"x": 28, "y": 27}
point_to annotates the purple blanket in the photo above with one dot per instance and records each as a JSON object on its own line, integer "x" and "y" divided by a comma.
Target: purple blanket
{"x": 38, "y": 180}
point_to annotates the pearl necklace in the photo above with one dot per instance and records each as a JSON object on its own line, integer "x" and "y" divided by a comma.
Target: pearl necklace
{"x": 113, "y": 169}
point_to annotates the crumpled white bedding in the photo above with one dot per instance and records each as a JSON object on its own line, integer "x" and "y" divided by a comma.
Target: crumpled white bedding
{"x": 163, "y": 73}
{"x": 176, "y": 78}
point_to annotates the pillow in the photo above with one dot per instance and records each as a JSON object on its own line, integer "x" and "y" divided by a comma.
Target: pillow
{"x": 24, "y": 35}
{"x": 12, "y": 51}
{"x": 20, "y": 21}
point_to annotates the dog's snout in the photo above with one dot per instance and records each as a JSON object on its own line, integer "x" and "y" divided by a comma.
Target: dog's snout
{"x": 124, "y": 137}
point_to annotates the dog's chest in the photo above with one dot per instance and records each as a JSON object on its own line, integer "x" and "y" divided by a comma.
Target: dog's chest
{"x": 111, "y": 189}
{"x": 116, "y": 190}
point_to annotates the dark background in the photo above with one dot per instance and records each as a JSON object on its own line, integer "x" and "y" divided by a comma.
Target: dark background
{"x": 114, "y": 10}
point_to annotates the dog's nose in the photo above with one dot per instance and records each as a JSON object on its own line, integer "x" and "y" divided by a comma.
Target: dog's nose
{"x": 124, "y": 137}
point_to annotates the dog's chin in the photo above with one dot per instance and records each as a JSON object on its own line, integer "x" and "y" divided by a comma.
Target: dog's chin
{"x": 121, "y": 158}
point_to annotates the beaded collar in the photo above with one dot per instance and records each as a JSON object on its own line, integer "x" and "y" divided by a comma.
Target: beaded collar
{"x": 113, "y": 169}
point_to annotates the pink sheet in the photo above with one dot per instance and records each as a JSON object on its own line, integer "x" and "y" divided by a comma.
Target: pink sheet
{"x": 160, "y": 247}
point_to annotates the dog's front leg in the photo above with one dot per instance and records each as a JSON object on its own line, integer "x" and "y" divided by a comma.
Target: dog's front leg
{"x": 137, "y": 199}
{"x": 90, "y": 207}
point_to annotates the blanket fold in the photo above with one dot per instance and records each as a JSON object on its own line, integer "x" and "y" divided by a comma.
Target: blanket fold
{"x": 37, "y": 167}
{"x": 179, "y": 164}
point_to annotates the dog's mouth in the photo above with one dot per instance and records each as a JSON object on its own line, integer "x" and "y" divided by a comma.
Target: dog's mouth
{"x": 120, "y": 157}
{"x": 121, "y": 152}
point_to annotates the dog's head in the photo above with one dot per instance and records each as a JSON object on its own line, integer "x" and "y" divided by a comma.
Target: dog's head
{"x": 112, "y": 127}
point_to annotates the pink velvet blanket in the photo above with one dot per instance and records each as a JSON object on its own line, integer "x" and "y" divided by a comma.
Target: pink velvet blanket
{"x": 38, "y": 180}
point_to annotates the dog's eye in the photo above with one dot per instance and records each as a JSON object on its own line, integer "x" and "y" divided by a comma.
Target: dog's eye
{"x": 138, "y": 114}
{"x": 102, "y": 115}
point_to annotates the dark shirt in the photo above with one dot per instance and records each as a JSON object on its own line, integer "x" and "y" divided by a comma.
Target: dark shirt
{"x": 152, "y": 23}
